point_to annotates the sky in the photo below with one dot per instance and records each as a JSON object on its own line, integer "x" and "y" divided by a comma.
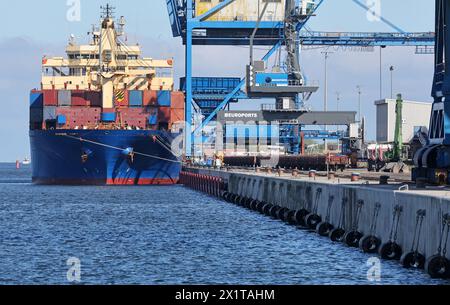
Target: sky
{"x": 42, "y": 28}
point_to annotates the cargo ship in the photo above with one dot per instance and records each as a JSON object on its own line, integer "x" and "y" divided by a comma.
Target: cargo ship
{"x": 105, "y": 115}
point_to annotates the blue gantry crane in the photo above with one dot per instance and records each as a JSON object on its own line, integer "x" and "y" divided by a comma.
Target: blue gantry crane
{"x": 200, "y": 22}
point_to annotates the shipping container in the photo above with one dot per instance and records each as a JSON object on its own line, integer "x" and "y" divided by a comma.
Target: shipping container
{"x": 153, "y": 119}
{"x": 64, "y": 98}
{"x": 176, "y": 115}
{"x": 49, "y": 113}
{"x": 121, "y": 98}
{"x": 36, "y": 115}
{"x": 80, "y": 116}
{"x": 164, "y": 114}
{"x": 164, "y": 98}
{"x": 50, "y": 97}
{"x": 61, "y": 119}
{"x": 178, "y": 100}
{"x": 94, "y": 98}
{"x": 135, "y": 98}
{"x": 36, "y": 99}
{"x": 108, "y": 116}
{"x": 150, "y": 98}
{"x": 79, "y": 99}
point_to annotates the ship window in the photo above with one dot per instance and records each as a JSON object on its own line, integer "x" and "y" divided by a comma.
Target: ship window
{"x": 133, "y": 57}
{"x": 121, "y": 57}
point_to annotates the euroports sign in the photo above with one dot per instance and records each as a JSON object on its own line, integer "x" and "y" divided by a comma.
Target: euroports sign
{"x": 233, "y": 116}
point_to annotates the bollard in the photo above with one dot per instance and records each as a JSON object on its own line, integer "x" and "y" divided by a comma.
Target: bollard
{"x": 355, "y": 177}
{"x": 384, "y": 180}
{"x": 280, "y": 172}
{"x": 331, "y": 175}
{"x": 312, "y": 174}
{"x": 295, "y": 172}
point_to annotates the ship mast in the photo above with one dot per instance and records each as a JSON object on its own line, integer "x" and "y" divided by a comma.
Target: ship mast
{"x": 107, "y": 56}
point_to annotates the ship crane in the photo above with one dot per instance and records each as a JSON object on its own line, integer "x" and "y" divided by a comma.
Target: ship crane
{"x": 282, "y": 85}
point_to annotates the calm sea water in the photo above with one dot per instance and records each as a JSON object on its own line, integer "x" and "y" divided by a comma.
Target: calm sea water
{"x": 162, "y": 235}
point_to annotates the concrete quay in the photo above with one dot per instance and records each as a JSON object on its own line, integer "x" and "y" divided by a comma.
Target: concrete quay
{"x": 375, "y": 205}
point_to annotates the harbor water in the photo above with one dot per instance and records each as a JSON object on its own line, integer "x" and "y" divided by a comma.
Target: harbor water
{"x": 163, "y": 235}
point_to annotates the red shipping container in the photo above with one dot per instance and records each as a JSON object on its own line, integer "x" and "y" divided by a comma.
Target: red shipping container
{"x": 150, "y": 97}
{"x": 176, "y": 115}
{"x": 79, "y": 98}
{"x": 50, "y": 97}
{"x": 121, "y": 98}
{"x": 80, "y": 116}
{"x": 94, "y": 98}
{"x": 178, "y": 99}
{"x": 164, "y": 114}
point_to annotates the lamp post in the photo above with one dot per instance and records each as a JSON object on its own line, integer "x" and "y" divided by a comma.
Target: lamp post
{"x": 392, "y": 81}
{"x": 359, "y": 102}
{"x": 325, "y": 95}
{"x": 381, "y": 71}
{"x": 338, "y": 99}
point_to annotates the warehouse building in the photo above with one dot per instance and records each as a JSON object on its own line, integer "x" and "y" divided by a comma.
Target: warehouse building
{"x": 415, "y": 115}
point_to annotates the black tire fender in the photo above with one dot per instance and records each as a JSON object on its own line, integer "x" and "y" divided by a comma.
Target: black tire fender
{"x": 299, "y": 217}
{"x": 282, "y": 214}
{"x": 438, "y": 267}
{"x": 312, "y": 220}
{"x": 253, "y": 205}
{"x": 352, "y": 238}
{"x": 290, "y": 217}
{"x": 324, "y": 228}
{"x": 369, "y": 244}
{"x": 259, "y": 206}
{"x": 390, "y": 251}
{"x": 274, "y": 211}
{"x": 413, "y": 260}
{"x": 266, "y": 209}
{"x": 337, "y": 235}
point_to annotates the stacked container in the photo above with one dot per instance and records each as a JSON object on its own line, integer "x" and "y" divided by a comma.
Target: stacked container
{"x": 121, "y": 98}
{"x": 94, "y": 98}
{"x": 177, "y": 107}
{"x": 135, "y": 98}
{"x": 133, "y": 117}
{"x": 150, "y": 98}
{"x": 64, "y": 98}
{"x": 36, "y": 109}
{"x": 50, "y": 97}
{"x": 79, "y": 99}
{"x": 77, "y": 117}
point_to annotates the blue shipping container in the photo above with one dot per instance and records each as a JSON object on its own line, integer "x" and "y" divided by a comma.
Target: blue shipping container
{"x": 36, "y": 100}
{"x": 135, "y": 98}
{"x": 153, "y": 119}
{"x": 108, "y": 116}
{"x": 61, "y": 119}
{"x": 164, "y": 98}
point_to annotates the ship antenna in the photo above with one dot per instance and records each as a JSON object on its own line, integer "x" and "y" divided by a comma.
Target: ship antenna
{"x": 107, "y": 11}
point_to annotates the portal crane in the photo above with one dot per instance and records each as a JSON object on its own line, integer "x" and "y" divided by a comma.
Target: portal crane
{"x": 432, "y": 162}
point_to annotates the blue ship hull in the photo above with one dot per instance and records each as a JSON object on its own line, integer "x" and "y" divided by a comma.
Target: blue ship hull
{"x": 103, "y": 157}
